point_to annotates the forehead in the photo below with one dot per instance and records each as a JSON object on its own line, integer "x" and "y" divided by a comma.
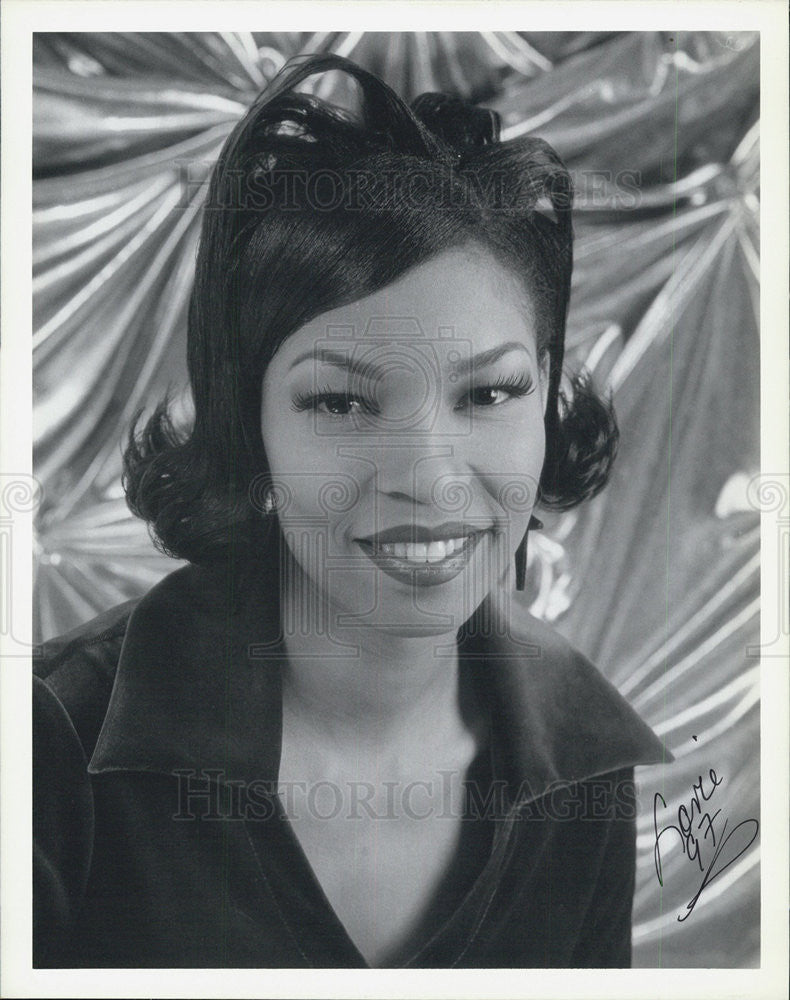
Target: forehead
{"x": 462, "y": 296}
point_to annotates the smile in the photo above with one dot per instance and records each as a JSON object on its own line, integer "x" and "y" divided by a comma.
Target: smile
{"x": 420, "y": 552}
{"x": 424, "y": 563}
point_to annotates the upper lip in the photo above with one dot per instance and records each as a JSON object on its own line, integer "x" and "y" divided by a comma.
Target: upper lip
{"x": 416, "y": 533}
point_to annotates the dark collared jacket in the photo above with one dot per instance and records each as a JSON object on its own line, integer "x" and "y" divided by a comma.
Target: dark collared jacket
{"x": 159, "y": 841}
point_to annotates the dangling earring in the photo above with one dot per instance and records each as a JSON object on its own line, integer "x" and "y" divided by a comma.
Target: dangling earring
{"x": 269, "y": 502}
{"x": 521, "y": 553}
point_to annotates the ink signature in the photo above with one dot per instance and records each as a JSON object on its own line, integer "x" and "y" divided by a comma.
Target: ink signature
{"x": 703, "y": 835}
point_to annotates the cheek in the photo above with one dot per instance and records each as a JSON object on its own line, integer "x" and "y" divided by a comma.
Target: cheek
{"x": 511, "y": 453}
{"x": 510, "y": 462}
{"x": 312, "y": 482}
{"x": 289, "y": 437}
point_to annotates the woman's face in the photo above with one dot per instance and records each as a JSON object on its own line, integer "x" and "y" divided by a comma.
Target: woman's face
{"x": 405, "y": 438}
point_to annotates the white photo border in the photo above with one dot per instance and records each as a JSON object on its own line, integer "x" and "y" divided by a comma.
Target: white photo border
{"x": 20, "y": 18}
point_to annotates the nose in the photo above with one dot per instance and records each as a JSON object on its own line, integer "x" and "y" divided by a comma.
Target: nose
{"x": 429, "y": 471}
{"x": 419, "y": 443}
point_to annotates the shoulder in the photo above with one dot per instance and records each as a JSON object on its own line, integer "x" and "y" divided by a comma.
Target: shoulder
{"x": 74, "y": 672}
{"x": 73, "y": 676}
{"x": 565, "y": 721}
{"x": 100, "y": 633}
{"x": 575, "y": 679}
{"x": 85, "y": 659}
{"x": 569, "y": 678}
{"x": 165, "y": 634}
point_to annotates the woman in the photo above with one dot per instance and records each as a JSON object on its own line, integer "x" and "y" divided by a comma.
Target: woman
{"x": 334, "y": 738}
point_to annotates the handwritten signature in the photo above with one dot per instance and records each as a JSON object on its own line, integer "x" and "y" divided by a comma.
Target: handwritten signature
{"x": 719, "y": 851}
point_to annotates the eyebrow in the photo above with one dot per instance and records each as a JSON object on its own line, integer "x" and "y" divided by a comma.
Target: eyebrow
{"x": 488, "y": 357}
{"x": 365, "y": 369}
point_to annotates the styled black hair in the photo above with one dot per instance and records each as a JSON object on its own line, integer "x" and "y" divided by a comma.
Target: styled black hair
{"x": 310, "y": 207}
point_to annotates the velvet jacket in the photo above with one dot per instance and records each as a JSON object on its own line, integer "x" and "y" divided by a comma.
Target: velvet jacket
{"x": 160, "y": 840}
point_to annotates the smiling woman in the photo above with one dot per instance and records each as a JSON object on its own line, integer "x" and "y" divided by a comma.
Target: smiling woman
{"x": 336, "y": 738}
{"x": 422, "y": 414}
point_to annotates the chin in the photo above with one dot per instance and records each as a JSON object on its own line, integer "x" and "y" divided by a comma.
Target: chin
{"x": 400, "y": 610}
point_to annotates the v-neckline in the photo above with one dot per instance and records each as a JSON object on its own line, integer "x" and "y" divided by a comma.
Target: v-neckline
{"x": 334, "y": 933}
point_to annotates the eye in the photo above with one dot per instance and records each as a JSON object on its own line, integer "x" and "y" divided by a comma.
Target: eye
{"x": 332, "y": 404}
{"x": 337, "y": 404}
{"x": 489, "y": 395}
{"x": 499, "y": 392}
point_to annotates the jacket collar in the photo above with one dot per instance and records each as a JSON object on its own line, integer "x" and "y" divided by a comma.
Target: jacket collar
{"x": 198, "y": 687}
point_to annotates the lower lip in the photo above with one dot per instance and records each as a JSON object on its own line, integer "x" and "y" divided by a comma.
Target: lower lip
{"x": 424, "y": 574}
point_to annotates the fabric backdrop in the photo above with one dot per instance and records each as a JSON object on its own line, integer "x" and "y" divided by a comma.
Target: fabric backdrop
{"x": 658, "y": 579}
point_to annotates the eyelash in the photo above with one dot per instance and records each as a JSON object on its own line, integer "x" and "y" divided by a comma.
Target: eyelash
{"x": 517, "y": 387}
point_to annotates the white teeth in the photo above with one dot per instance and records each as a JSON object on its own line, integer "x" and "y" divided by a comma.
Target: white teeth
{"x": 436, "y": 552}
{"x": 421, "y": 552}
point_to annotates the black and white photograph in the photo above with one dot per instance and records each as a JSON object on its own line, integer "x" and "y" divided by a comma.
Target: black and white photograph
{"x": 398, "y": 502}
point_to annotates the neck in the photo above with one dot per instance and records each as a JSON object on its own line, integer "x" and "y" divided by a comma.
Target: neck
{"x": 368, "y": 684}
